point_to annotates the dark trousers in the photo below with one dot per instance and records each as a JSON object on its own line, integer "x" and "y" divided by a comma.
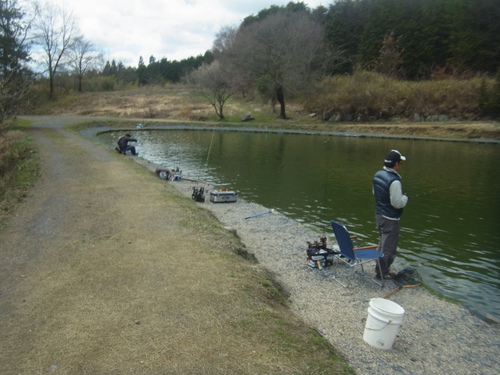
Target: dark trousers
{"x": 388, "y": 231}
{"x": 128, "y": 148}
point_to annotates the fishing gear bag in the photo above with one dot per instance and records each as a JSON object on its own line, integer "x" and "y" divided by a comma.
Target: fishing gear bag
{"x": 198, "y": 194}
{"x": 318, "y": 255}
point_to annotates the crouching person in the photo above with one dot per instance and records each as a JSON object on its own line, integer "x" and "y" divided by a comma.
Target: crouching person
{"x": 123, "y": 145}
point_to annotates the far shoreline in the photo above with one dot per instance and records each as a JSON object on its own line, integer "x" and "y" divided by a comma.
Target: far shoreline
{"x": 240, "y": 128}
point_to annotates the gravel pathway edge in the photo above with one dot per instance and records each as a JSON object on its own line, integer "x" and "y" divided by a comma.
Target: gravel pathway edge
{"x": 435, "y": 337}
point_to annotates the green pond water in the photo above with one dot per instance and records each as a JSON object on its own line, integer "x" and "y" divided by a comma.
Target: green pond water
{"x": 450, "y": 228}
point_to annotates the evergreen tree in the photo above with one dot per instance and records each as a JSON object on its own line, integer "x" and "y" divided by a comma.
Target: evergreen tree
{"x": 433, "y": 34}
{"x": 141, "y": 72}
{"x": 15, "y": 78}
{"x": 475, "y": 35}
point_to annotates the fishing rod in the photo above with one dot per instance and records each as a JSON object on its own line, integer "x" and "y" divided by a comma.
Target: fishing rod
{"x": 406, "y": 278}
{"x": 263, "y": 213}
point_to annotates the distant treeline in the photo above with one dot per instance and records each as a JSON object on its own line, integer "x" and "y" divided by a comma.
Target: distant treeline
{"x": 406, "y": 39}
{"x": 155, "y": 72}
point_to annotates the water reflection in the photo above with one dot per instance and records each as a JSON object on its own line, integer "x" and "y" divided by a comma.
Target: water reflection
{"x": 450, "y": 228}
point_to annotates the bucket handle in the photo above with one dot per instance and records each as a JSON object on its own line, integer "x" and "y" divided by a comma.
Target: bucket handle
{"x": 386, "y": 321}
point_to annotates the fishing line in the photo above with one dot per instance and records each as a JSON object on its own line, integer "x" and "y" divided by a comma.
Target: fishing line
{"x": 175, "y": 157}
{"x": 200, "y": 173}
{"x": 199, "y": 192}
{"x": 210, "y": 147}
{"x": 327, "y": 175}
{"x": 432, "y": 191}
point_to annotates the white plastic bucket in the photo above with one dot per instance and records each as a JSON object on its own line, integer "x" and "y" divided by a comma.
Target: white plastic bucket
{"x": 382, "y": 324}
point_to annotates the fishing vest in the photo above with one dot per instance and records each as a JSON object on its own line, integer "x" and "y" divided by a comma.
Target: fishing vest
{"x": 381, "y": 183}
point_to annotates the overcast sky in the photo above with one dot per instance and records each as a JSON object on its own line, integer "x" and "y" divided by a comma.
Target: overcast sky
{"x": 176, "y": 29}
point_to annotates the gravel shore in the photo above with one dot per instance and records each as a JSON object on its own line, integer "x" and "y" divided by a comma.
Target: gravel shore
{"x": 436, "y": 336}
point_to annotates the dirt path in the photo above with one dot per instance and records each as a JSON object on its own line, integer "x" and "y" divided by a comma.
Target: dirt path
{"x": 105, "y": 269}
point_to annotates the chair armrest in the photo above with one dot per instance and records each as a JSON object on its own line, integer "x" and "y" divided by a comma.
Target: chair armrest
{"x": 366, "y": 247}
{"x": 354, "y": 238}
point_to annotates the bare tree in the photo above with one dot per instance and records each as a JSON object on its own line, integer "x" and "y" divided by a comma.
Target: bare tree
{"x": 283, "y": 49}
{"x": 54, "y": 31}
{"x": 83, "y": 56}
{"x": 390, "y": 57}
{"x": 224, "y": 39}
{"x": 223, "y": 44}
{"x": 216, "y": 81}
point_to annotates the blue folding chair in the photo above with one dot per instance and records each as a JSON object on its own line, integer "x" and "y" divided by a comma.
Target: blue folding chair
{"x": 353, "y": 256}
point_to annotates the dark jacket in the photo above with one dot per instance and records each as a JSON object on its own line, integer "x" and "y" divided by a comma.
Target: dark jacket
{"x": 124, "y": 140}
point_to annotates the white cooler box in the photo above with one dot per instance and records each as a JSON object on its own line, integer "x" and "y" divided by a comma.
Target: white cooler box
{"x": 223, "y": 196}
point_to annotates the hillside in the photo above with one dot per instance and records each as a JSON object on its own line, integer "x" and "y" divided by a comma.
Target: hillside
{"x": 182, "y": 104}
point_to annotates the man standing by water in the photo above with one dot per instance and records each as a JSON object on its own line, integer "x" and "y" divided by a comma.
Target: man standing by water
{"x": 390, "y": 201}
{"x": 123, "y": 145}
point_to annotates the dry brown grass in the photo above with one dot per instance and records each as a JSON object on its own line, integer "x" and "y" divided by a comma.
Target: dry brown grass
{"x": 108, "y": 270}
{"x": 370, "y": 96}
{"x": 185, "y": 104}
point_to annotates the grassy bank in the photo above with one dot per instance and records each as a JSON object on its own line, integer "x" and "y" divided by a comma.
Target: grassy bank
{"x": 19, "y": 166}
{"x": 367, "y": 96}
{"x": 373, "y": 104}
